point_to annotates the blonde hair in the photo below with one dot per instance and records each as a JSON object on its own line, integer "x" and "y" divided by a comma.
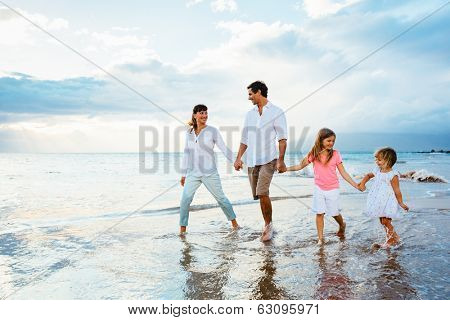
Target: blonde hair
{"x": 387, "y": 154}
{"x": 317, "y": 147}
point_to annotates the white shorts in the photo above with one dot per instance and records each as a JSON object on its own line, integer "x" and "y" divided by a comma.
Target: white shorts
{"x": 326, "y": 201}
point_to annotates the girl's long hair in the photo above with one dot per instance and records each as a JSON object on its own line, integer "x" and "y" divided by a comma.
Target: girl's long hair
{"x": 193, "y": 122}
{"x": 317, "y": 148}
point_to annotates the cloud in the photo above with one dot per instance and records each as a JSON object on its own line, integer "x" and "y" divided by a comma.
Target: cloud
{"x": 76, "y": 133}
{"x": 244, "y": 41}
{"x": 125, "y": 29}
{"x": 402, "y": 88}
{"x": 162, "y": 83}
{"x": 224, "y": 5}
{"x": 321, "y": 8}
{"x": 216, "y": 5}
{"x": 9, "y": 16}
{"x": 23, "y": 94}
{"x": 112, "y": 40}
{"x": 294, "y": 61}
{"x": 15, "y": 30}
{"x": 191, "y": 3}
{"x": 28, "y": 50}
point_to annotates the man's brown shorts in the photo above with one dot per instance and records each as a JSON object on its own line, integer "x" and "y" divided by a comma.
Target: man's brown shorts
{"x": 260, "y": 178}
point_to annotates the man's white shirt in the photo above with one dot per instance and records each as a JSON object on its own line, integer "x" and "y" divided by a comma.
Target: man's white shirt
{"x": 261, "y": 134}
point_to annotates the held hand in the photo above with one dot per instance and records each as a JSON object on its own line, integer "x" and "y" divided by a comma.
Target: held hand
{"x": 281, "y": 166}
{"x": 182, "y": 180}
{"x": 238, "y": 165}
{"x": 362, "y": 187}
{"x": 404, "y": 206}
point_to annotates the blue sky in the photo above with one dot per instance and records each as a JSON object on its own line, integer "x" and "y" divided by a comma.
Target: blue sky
{"x": 180, "y": 53}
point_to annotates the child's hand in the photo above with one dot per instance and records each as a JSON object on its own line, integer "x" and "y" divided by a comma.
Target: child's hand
{"x": 404, "y": 206}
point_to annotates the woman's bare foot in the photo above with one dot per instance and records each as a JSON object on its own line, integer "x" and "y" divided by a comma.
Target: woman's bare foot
{"x": 320, "y": 242}
{"x": 341, "y": 231}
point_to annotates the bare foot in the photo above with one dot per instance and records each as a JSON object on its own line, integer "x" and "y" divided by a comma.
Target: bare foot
{"x": 320, "y": 242}
{"x": 385, "y": 245}
{"x": 341, "y": 231}
{"x": 393, "y": 241}
{"x": 267, "y": 233}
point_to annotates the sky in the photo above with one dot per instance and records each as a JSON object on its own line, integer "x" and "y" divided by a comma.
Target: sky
{"x": 104, "y": 69}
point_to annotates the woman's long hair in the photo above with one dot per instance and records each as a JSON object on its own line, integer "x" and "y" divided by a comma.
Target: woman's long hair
{"x": 317, "y": 148}
{"x": 193, "y": 122}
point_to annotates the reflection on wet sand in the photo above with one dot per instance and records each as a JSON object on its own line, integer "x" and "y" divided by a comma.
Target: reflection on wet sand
{"x": 205, "y": 285}
{"x": 393, "y": 281}
{"x": 333, "y": 282}
{"x": 266, "y": 287}
{"x": 11, "y": 246}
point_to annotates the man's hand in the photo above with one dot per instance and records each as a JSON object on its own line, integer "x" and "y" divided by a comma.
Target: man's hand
{"x": 238, "y": 165}
{"x": 361, "y": 187}
{"x": 182, "y": 180}
{"x": 281, "y": 166}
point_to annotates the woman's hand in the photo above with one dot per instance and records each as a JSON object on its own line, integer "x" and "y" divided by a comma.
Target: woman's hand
{"x": 404, "y": 206}
{"x": 182, "y": 180}
{"x": 362, "y": 187}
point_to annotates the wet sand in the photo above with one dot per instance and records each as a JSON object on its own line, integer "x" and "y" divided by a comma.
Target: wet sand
{"x": 145, "y": 258}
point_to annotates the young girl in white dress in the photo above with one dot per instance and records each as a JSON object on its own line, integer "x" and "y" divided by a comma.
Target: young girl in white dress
{"x": 385, "y": 199}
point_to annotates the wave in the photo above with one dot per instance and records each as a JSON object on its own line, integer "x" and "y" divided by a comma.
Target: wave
{"x": 439, "y": 193}
{"x": 51, "y": 224}
{"x": 423, "y": 175}
{"x": 201, "y": 207}
{"x": 299, "y": 174}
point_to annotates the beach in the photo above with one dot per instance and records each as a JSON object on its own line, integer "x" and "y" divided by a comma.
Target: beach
{"x": 90, "y": 226}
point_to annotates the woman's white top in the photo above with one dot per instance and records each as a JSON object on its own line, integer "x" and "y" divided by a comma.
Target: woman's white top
{"x": 381, "y": 201}
{"x": 199, "y": 157}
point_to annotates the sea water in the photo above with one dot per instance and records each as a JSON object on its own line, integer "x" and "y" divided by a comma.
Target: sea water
{"x": 104, "y": 226}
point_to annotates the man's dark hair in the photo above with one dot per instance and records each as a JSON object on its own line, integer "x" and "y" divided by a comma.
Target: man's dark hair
{"x": 259, "y": 85}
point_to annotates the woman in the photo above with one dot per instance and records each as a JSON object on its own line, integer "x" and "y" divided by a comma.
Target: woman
{"x": 199, "y": 166}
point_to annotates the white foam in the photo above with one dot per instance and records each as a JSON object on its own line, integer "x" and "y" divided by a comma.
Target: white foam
{"x": 423, "y": 175}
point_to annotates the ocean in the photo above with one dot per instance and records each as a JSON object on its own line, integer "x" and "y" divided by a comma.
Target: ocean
{"x": 105, "y": 226}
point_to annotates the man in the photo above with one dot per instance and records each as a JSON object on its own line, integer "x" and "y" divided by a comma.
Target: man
{"x": 264, "y": 125}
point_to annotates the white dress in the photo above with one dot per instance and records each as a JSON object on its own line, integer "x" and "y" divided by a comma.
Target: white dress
{"x": 381, "y": 201}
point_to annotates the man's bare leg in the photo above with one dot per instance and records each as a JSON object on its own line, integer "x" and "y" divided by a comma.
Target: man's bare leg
{"x": 266, "y": 209}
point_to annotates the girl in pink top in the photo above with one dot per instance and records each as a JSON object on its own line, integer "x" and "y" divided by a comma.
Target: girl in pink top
{"x": 326, "y": 191}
